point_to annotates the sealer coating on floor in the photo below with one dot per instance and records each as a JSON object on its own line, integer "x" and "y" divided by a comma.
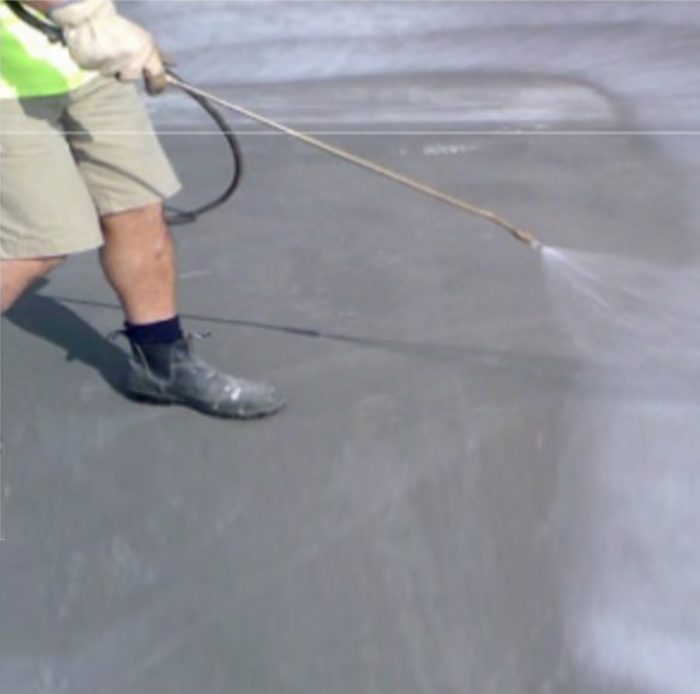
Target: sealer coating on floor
{"x": 485, "y": 479}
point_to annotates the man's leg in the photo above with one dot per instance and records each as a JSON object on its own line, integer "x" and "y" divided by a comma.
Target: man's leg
{"x": 138, "y": 258}
{"x": 128, "y": 175}
{"x": 17, "y": 275}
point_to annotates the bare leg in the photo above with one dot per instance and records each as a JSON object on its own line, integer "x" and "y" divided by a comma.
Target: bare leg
{"x": 138, "y": 258}
{"x": 17, "y": 275}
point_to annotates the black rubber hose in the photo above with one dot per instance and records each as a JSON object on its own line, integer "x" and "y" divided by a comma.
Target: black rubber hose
{"x": 51, "y": 31}
{"x": 176, "y": 217}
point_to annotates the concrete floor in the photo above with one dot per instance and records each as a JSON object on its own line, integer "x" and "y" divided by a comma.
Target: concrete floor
{"x": 481, "y": 483}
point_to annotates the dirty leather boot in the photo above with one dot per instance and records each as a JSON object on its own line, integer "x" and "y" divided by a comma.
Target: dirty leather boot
{"x": 172, "y": 374}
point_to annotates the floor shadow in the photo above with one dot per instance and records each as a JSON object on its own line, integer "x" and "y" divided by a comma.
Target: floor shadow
{"x": 51, "y": 320}
{"x": 666, "y": 382}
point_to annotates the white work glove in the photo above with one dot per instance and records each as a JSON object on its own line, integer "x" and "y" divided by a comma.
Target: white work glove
{"x": 100, "y": 39}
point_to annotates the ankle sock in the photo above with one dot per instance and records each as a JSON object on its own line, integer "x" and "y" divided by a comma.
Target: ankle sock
{"x": 163, "y": 332}
{"x": 151, "y": 341}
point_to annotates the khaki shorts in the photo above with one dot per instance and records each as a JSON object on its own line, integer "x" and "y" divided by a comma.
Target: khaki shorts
{"x": 66, "y": 160}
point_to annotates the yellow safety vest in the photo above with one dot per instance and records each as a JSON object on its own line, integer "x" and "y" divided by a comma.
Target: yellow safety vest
{"x": 30, "y": 65}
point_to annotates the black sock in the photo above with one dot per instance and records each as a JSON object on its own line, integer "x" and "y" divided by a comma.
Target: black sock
{"x": 151, "y": 340}
{"x": 163, "y": 332}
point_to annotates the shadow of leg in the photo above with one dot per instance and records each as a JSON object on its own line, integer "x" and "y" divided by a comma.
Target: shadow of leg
{"x": 50, "y": 320}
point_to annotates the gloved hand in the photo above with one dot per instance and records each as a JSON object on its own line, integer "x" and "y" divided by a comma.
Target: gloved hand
{"x": 100, "y": 39}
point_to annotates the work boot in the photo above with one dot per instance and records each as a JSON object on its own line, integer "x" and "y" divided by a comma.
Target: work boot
{"x": 172, "y": 374}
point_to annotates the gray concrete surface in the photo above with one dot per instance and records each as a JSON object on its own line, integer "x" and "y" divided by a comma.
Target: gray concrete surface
{"x": 485, "y": 479}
